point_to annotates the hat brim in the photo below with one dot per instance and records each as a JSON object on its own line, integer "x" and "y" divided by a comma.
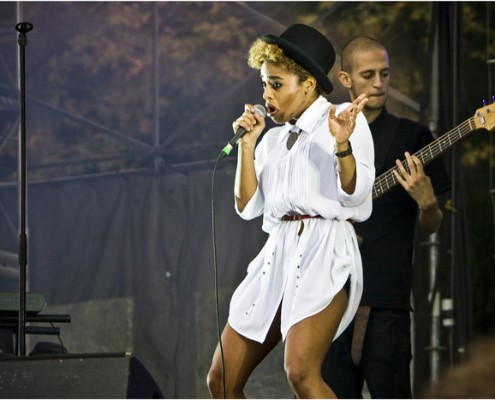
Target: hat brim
{"x": 303, "y": 59}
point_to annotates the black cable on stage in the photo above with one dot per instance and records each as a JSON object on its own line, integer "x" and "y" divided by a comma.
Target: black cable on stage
{"x": 215, "y": 267}
{"x": 260, "y": 110}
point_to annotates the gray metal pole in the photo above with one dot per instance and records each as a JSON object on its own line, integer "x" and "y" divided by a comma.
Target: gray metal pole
{"x": 432, "y": 243}
{"x": 156, "y": 84}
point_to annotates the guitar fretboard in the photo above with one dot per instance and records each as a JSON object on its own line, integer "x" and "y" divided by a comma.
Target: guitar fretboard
{"x": 387, "y": 180}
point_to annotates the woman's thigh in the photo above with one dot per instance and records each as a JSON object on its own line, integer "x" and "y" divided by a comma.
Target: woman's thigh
{"x": 308, "y": 341}
{"x": 242, "y": 355}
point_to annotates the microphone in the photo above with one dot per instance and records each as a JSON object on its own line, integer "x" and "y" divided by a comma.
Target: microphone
{"x": 258, "y": 109}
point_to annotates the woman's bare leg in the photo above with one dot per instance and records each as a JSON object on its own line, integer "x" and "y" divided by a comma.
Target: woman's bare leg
{"x": 306, "y": 346}
{"x": 241, "y": 357}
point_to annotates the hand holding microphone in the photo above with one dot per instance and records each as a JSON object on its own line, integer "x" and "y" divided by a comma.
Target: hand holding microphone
{"x": 258, "y": 109}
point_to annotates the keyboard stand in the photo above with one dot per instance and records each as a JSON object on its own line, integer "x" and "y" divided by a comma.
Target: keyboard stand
{"x": 9, "y": 327}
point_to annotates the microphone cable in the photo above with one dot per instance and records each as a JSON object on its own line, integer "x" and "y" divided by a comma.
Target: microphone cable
{"x": 260, "y": 110}
{"x": 215, "y": 268}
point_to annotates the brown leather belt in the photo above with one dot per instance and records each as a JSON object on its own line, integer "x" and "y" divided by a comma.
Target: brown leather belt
{"x": 298, "y": 217}
{"x": 360, "y": 323}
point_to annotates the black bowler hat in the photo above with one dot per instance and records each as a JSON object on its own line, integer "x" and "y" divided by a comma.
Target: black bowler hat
{"x": 309, "y": 48}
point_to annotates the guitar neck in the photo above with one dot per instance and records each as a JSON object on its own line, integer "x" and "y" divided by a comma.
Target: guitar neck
{"x": 387, "y": 180}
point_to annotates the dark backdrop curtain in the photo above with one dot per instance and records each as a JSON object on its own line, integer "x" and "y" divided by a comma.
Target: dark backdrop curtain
{"x": 458, "y": 287}
{"x": 145, "y": 238}
{"x": 452, "y": 277}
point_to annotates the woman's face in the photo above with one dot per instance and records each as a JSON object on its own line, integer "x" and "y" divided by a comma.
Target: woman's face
{"x": 284, "y": 96}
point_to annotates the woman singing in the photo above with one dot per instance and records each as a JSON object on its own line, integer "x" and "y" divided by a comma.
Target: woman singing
{"x": 309, "y": 183}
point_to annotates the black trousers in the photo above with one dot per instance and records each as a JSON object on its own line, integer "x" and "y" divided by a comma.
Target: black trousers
{"x": 385, "y": 360}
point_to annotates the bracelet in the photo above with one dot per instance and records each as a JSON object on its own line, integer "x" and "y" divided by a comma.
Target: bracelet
{"x": 346, "y": 152}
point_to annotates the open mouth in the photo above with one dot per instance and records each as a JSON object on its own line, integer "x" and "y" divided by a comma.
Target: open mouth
{"x": 270, "y": 110}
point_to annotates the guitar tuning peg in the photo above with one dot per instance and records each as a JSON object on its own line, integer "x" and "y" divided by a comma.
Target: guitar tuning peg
{"x": 485, "y": 103}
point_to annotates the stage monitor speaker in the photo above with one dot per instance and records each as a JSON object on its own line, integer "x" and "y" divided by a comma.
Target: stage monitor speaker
{"x": 76, "y": 376}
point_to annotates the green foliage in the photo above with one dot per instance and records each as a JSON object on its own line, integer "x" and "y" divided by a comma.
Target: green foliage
{"x": 95, "y": 61}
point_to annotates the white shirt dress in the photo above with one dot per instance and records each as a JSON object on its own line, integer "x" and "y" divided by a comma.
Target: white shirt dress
{"x": 304, "y": 272}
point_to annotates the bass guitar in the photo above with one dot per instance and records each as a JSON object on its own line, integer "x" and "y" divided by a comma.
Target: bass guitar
{"x": 483, "y": 118}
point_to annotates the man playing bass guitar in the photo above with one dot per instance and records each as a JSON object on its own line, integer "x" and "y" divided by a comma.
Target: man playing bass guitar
{"x": 381, "y": 354}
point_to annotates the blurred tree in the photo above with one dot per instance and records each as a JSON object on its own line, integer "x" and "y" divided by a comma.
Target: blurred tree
{"x": 101, "y": 69}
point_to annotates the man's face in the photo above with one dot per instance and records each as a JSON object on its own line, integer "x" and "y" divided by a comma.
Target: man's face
{"x": 370, "y": 74}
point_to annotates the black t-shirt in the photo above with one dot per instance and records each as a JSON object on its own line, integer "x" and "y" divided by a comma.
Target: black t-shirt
{"x": 388, "y": 235}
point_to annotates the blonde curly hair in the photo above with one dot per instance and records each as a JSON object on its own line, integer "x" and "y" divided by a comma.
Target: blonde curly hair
{"x": 261, "y": 52}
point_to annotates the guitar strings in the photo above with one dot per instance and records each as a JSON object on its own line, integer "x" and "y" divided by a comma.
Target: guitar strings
{"x": 434, "y": 148}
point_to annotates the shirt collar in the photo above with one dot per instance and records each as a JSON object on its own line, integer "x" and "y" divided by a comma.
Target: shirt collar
{"x": 309, "y": 118}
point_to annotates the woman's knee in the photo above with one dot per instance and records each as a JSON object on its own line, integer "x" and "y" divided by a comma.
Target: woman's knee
{"x": 298, "y": 375}
{"x": 214, "y": 381}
